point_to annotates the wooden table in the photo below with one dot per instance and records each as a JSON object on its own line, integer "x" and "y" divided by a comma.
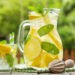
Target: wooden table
{"x": 24, "y": 73}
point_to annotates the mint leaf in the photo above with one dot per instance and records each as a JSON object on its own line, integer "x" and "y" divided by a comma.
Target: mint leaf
{"x": 50, "y": 48}
{"x": 38, "y": 9}
{"x": 45, "y": 29}
{"x": 9, "y": 59}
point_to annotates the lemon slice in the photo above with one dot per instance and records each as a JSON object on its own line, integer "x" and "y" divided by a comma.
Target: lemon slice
{"x": 34, "y": 15}
{"x": 33, "y": 32}
{"x": 32, "y": 49}
{"x": 47, "y": 19}
{"x": 5, "y": 49}
{"x": 46, "y": 58}
{"x": 13, "y": 52}
{"x": 58, "y": 43}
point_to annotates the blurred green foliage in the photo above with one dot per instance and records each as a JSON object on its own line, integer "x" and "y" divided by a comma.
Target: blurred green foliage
{"x": 66, "y": 24}
{"x": 13, "y": 12}
{"x": 3, "y": 42}
{"x": 9, "y": 16}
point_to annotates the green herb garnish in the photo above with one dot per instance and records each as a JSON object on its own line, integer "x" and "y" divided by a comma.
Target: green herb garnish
{"x": 45, "y": 29}
{"x": 39, "y": 9}
{"x": 10, "y": 59}
{"x": 50, "y": 48}
{"x": 3, "y": 42}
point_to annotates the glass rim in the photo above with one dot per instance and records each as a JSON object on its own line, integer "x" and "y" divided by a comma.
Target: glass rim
{"x": 51, "y": 10}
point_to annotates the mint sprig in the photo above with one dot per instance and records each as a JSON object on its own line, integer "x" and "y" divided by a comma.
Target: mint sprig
{"x": 39, "y": 9}
{"x": 45, "y": 29}
{"x": 50, "y": 48}
{"x": 10, "y": 59}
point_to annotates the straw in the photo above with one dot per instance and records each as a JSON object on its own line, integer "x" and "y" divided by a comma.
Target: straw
{"x": 11, "y": 38}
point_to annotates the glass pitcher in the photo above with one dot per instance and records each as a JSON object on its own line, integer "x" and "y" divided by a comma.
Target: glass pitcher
{"x": 39, "y": 40}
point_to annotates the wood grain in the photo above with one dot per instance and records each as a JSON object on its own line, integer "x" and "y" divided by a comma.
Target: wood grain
{"x": 5, "y": 73}
{"x": 24, "y": 73}
{"x": 72, "y": 73}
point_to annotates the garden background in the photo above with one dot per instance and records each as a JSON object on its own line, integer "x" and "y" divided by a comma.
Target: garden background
{"x": 13, "y": 12}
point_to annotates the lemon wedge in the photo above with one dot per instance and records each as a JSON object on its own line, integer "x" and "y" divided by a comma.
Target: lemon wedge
{"x": 34, "y": 15}
{"x": 58, "y": 43}
{"x": 42, "y": 61}
{"x": 32, "y": 49}
{"x": 46, "y": 58}
{"x": 33, "y": 32}
{"x": 5, "y": 49}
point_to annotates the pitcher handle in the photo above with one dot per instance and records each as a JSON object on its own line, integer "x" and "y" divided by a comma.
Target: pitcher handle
{"x": 21, "y": 34}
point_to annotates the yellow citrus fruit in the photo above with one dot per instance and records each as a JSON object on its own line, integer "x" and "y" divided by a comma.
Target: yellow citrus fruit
{"x": 5, "y": 49}
{"x": 47, "y": 39}
{"x": 32, "y": 49}
{"x": 13, "y": 52}
{"x": 32, "y": 32}
{"x": 53, "y": 33}
{"x": 36, "y": 62}
{"x": 37, "y": 38}
{"x": 58, "y": 44}
{"x": 47, "y": 19}
{"x": 43, "y": 60}
{"x": 46, "y": 58}
{"x": 34, "y": 15}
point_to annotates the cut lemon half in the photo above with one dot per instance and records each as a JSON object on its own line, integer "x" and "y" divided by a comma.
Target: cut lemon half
{"x": 32, "y": 49}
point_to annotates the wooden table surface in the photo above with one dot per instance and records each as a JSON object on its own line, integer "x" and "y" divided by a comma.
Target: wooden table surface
{"x": 24, "y": 73}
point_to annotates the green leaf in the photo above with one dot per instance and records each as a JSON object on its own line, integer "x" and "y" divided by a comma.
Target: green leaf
{"x": 50, "y": 48}
{"x": 3, "y": 42}
{"x": 32, "y": 8}
{"x": 45, "y": 29}
{"x": 9, "y": 59}
{"x": 38, "y": 9}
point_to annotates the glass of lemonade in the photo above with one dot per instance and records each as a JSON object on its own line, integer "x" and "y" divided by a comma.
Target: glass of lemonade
{"x": 7, "y": 55}
{"x": 39, "y": 40}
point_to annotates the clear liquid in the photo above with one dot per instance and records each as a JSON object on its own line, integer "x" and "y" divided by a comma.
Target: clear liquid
{"x": 33, "y": 53}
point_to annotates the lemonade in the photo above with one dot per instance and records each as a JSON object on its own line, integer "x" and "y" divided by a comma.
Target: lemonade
{"x": 42, "y": 44}
{"x": 7, "y": 54}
